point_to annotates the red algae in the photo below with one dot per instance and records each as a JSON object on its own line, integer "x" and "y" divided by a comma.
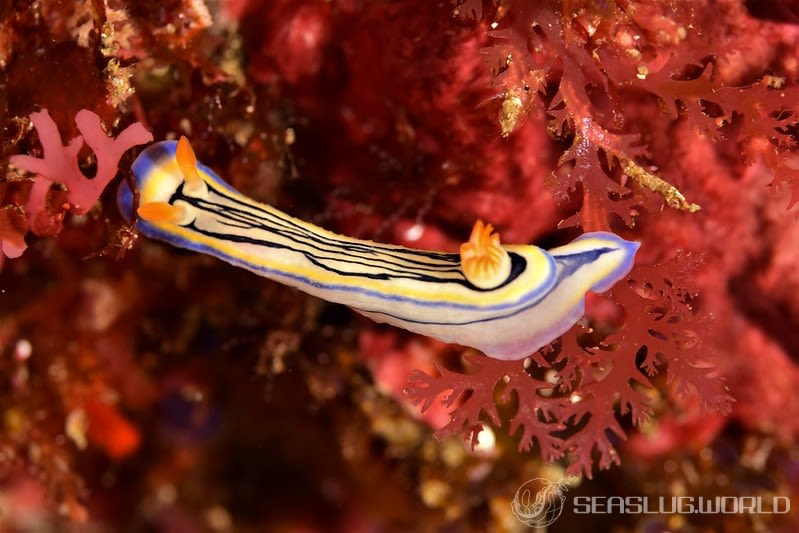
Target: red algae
{"x": 145, "y": 387}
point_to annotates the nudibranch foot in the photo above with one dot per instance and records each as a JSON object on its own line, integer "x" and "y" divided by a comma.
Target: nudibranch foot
{"x": 505, "y": 300}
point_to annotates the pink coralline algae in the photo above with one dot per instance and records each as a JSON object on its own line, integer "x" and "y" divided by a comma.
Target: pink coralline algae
{"x": 59, "y": 164}
{"x": 12, "y": 232}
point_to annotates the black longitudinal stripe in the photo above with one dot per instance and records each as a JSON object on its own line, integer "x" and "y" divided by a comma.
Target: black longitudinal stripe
{"x": 518, "y": 263}
{"x": 255, "y": 217}
{"x": 287, "y": 223}
{"x": 245, "y": 215}
{"x": 398, "y": 258}
{"x": 376, "y": 261}
{"x": 346, "y": 258}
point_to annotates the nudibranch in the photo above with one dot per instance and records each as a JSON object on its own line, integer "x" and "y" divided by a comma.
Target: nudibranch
{"x": 504, "y": 300}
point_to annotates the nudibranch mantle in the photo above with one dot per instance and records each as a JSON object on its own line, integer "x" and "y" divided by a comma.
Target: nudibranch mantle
{"x": 519, "y": 299}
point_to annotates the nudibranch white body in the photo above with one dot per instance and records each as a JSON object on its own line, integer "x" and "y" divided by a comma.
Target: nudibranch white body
{"x": 504, "y": 300}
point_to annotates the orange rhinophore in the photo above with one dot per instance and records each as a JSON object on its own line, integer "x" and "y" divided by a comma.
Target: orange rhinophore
{"x": 187, "y": 163}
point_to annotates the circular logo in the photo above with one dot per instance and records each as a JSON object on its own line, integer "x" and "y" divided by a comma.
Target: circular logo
{"x": 539, "y": 502}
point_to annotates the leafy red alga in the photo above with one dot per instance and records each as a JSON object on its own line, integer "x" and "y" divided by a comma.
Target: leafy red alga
{"x": 473, "y": 397}
{"x": 668, "y": 332}
{"x": 567, "y": 398}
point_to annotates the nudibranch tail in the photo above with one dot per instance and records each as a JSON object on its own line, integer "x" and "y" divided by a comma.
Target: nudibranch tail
{"x": 485, "y": 263}
{"x": 505, "y": 300}
{"x": 612, "y": 266}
